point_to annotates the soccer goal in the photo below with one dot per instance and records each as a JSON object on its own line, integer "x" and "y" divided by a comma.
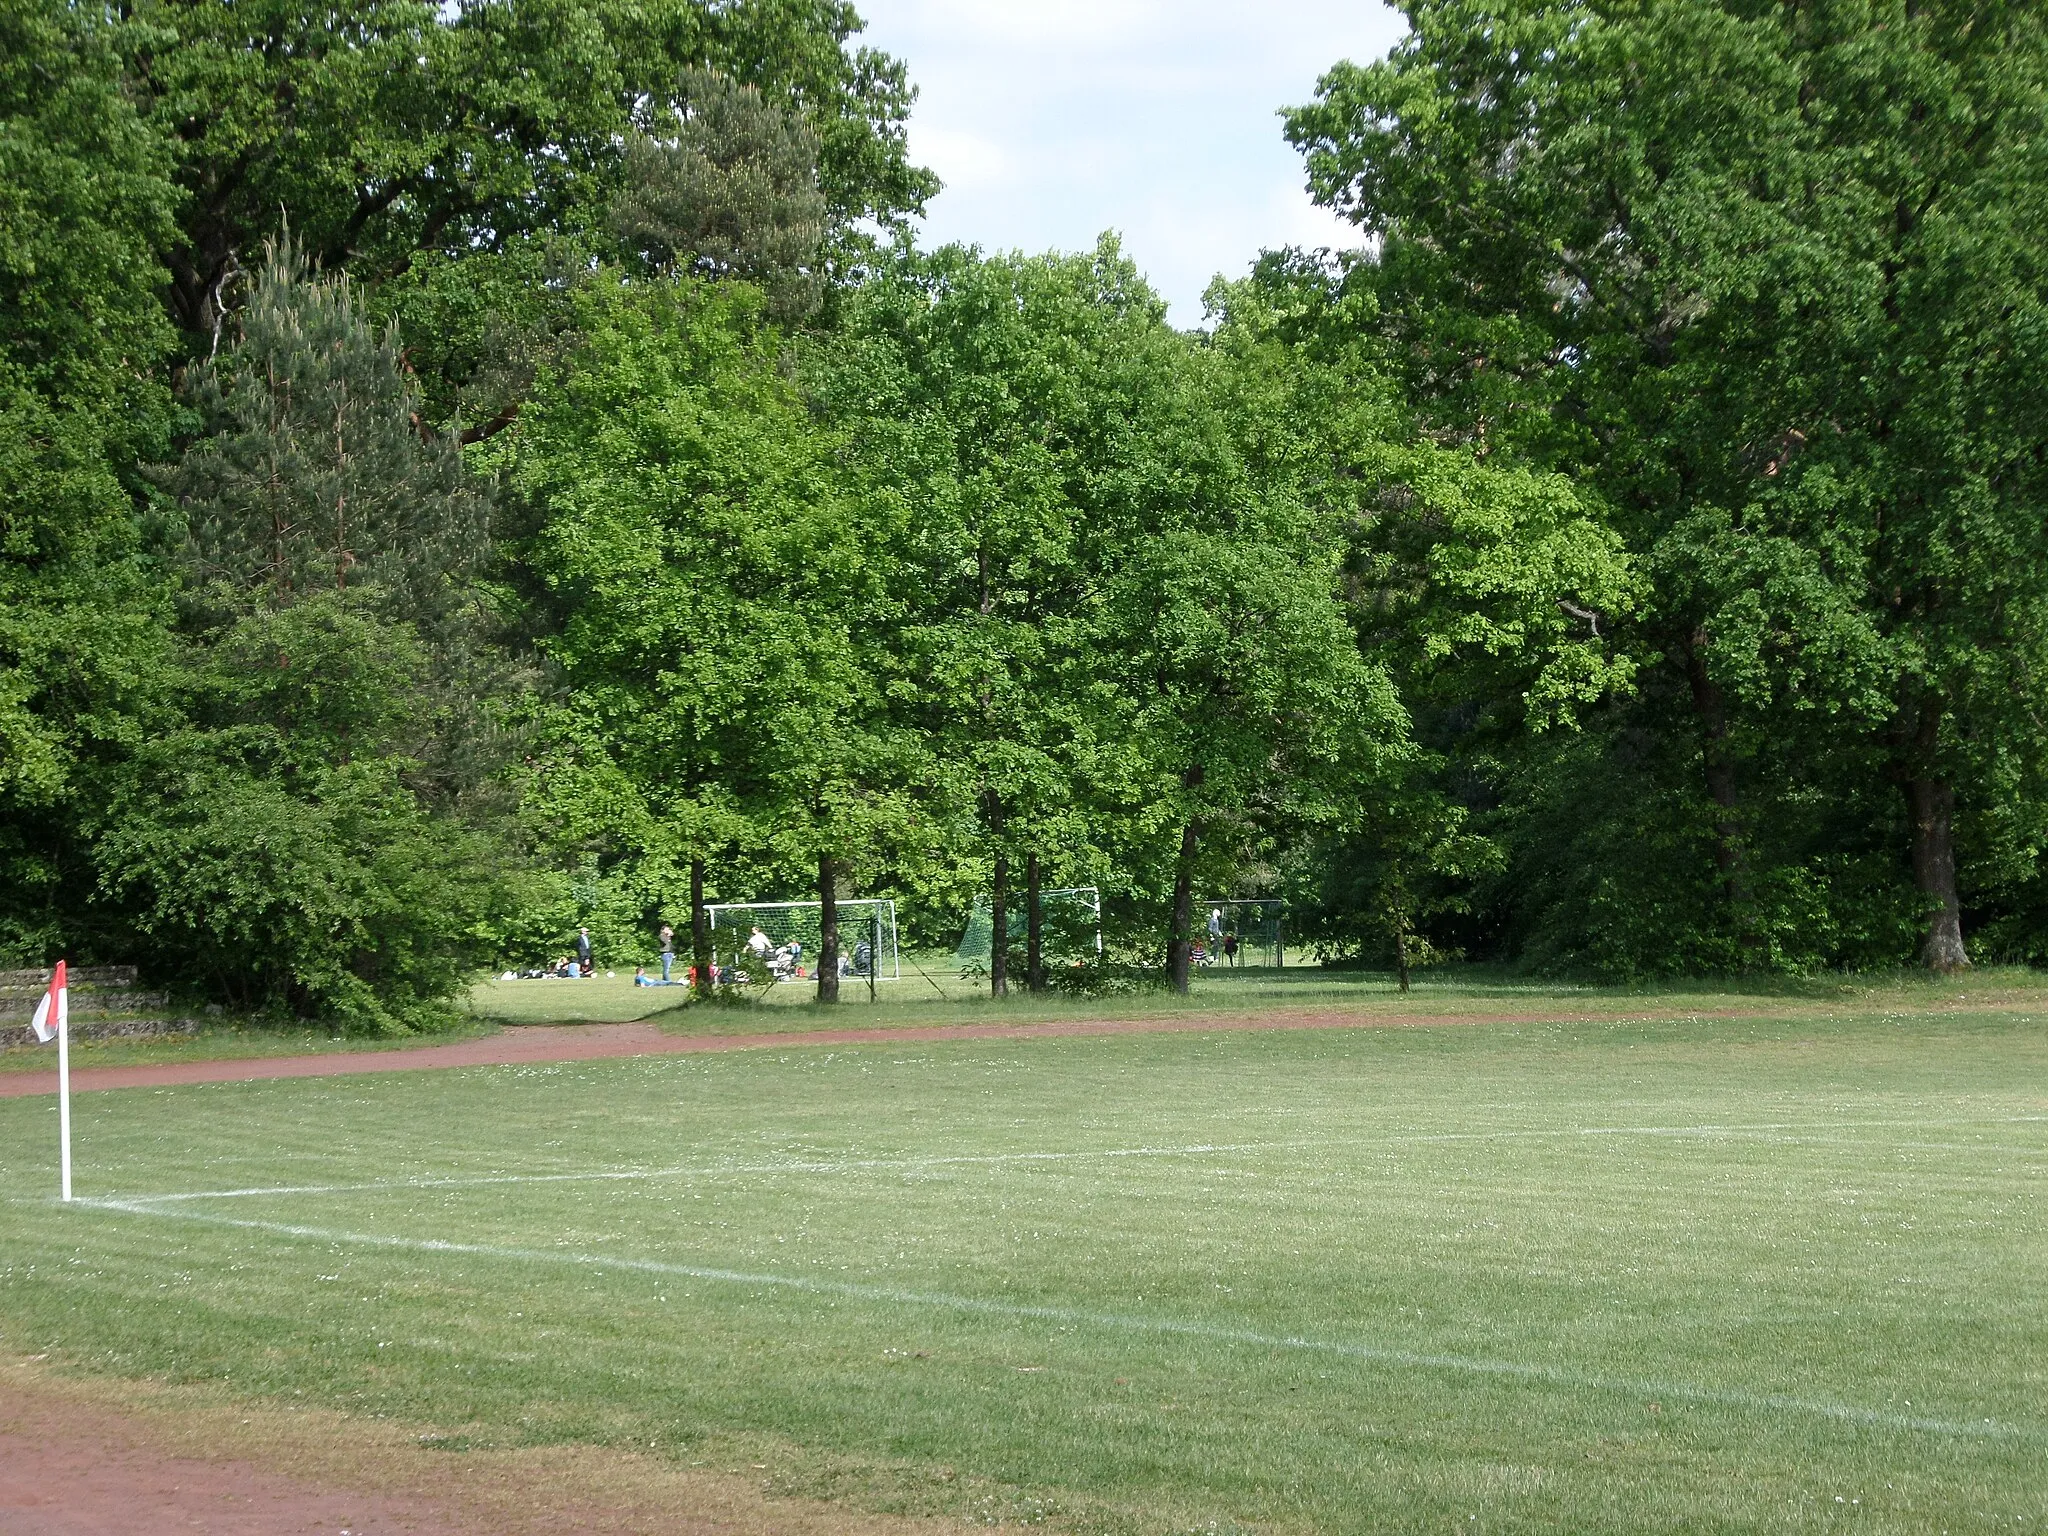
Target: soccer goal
{"x": 791, "y": 939}
{"x": 1071, "y": 932}
{"x": 1240, "y": 932}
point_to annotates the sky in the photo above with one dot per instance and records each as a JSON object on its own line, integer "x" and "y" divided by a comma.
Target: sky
{"x": 1053, "y": 120}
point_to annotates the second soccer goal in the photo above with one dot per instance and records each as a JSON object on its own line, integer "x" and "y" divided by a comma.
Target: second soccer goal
{"x": 782, "y": 940}
{"x": 1072, "y": 931}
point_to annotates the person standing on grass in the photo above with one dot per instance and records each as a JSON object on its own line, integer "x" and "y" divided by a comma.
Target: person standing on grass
{"x": 668, "y": 949}
{"x": 583, "y": 950}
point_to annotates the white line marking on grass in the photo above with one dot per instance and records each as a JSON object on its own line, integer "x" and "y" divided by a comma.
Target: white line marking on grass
{"x": 710, "y": 1170}
{"x": 1760, "y": 1128}
{"x": 1549, "y": 1375}
{"x": 884, "y": 1164}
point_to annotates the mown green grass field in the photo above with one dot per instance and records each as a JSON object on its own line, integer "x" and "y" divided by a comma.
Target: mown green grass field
{"x": 1787, "y": 1271}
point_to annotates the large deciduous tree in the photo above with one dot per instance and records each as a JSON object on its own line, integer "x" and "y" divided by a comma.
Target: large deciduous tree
{"x": 85, "y": 203}
{"x": 1767, "y": 276}
{"x": 711, "y": 594}
{"x": 986, "y": 394}
{"x": 1125, "y": 634}
{"x": 388, "y": 130}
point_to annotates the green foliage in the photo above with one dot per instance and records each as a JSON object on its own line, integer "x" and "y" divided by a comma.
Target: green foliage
{"x": 309, "y": 829}
{"x": 272, "y": 851}
{"x": 729, "y": 188}
{"x": 85, "y": 201}
{"x": 1630, "y": 560}
{"x": 314, "y": 472}
{"x": 387, "y": 130}
{"x": 1122, "y": 631}
{"x": 1469, "y": 581}
{"x": 709, "y": 592}
{"x": 984, "y": 396}
{"x": 1763, "y": 277}
{"x": 1379, "y": 891}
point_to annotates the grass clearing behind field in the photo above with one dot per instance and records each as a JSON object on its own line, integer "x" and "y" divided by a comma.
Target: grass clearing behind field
{"x": 1780, "y": 1272}
{"x": 939, "y": 997}
{"x": 932, "y": 995}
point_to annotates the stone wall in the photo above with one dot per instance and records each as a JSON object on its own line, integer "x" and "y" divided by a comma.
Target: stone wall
{"x": 106, "y": 1004}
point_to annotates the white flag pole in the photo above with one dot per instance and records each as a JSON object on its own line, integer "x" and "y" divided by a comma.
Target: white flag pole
{"x": 64, "y": 1087}
{"x": 58, "y": 1001}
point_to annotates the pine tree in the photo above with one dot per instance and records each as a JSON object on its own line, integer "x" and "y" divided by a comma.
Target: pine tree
{"x": 316, "y": 474}
{"x": 727, "y": 186}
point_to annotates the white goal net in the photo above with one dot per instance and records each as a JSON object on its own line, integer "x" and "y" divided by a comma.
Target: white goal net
{"x": 1071, "y": 924}
{"x": 790, "y": 940}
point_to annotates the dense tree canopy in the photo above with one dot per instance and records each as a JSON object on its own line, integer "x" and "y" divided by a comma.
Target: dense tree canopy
{"x": 85, "y": 208}
{"x": 387, "y": 130}
{"x": 476, "y": 471}
{"x": 1767, "y": 277}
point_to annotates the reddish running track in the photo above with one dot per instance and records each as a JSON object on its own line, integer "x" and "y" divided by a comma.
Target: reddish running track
{"x": 597, "y": 1042}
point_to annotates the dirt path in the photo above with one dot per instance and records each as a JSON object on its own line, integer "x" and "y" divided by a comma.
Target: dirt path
{"x": 81, "y": 1457}
{"x": 527, "y": 1043}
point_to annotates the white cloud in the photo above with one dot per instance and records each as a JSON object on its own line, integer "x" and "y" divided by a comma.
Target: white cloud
{"x": 965, "y": 161}
{"x": 1052, "y": 120}
{"x": 1047, "y": 23}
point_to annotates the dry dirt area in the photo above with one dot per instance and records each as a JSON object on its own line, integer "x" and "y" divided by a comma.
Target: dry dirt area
{"x": 82, "y": 1457}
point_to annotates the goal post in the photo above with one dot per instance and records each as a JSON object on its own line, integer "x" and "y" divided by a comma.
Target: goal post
{"x": 1072, "y": 928}
{"x": 795, "y": 937}
{"x": 1255, "y": 924}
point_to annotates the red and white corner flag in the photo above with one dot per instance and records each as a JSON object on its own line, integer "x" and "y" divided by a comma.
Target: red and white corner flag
{"x": 53, "y": 1021}
{"x": 53, "y": 1013}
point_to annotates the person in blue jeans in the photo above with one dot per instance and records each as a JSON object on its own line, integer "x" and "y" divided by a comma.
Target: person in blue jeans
{"x": 668, "y": 949}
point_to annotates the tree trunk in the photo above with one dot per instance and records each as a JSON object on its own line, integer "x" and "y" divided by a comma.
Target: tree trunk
{"x": 1934, "y": 871}
{"x": 828, "y": 929}
{"x": 1034, "y": 928}
{"x": 1178, "y": 936}
{"x": 1401, "y": 948}
{"x": 999, "y": 929}
{"x": 1932, "y": 800}
{"x": 1730, "y": 856}
{"x": 700, "y": 932}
